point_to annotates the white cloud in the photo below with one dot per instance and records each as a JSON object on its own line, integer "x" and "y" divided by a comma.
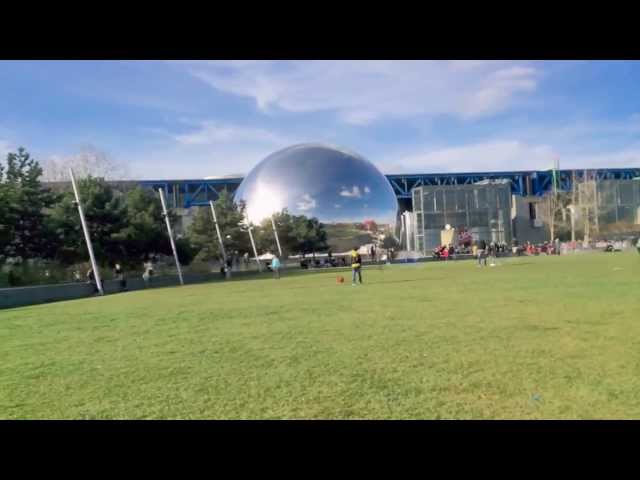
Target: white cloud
{"x": 367, "y": 189}
{"x": 353, "y": 192}
{"x": 361, "y": 92}
{"x": 505, "y": 155}
{"x": 628, "y": 157}
{"x": 498, "y": 90}
{"x": 307, "y": 203}
{"x": 488, "y": 156}
{"x": 212, "y": 133}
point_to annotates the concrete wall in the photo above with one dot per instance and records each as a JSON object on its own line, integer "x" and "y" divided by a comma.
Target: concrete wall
{"x": 21, "y": 296}
{"x": 522, "y": 224}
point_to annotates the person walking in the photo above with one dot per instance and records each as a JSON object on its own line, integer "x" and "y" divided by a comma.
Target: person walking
{"x": 275, "y": 266}
{"x": 356, "y": 266}
{"x": 148, "y": 272}
{"x": 119, "y": 275}
{"x": 481, "y": 252}
{"x": 91, "y": 280}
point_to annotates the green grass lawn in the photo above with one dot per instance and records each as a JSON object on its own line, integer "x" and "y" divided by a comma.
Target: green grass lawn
{"x": 545, "y": 337}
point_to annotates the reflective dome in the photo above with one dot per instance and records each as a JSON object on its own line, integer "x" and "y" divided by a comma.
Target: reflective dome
{"x": 346, "y": 192}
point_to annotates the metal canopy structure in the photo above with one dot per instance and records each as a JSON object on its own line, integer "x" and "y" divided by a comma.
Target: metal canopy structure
{"x": 523, "y": 183}
{"x": 188, "y": 193}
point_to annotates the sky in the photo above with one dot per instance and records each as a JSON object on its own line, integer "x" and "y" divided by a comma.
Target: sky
{"x": 191, "y": 119}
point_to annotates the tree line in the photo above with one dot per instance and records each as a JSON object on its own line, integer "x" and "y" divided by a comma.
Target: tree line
{"x": 126, "y": 227}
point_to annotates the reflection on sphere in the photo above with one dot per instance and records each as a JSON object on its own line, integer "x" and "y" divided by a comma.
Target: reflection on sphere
{"x": 346, "y": 192}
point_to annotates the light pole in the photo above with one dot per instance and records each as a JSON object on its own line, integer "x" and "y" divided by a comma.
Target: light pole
{"x": 173, "y": 245}
{"x": 253, "y": 244}
{"x": 275, "y": 232}
{"x": 87, "y": 238}
{"x": 572, "y": 211}
{"x": 224, "y": 254}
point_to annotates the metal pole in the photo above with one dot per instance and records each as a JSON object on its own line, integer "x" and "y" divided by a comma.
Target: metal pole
{"x": 173, "y": 245}
{"x": 215, "y": 222}
{"x": 87, "y": 238}
{"x": 275, "y": 232}
{"x": 407, "y": 228}
{"x": 253, "y": 244}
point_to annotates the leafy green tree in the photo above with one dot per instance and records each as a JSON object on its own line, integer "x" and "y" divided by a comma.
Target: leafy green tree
{"x": 24, "y": 230}
{"x": 307, "y": 235}
{"x": 390, "y": 242}
{"x": 123, "y": 228}
{"x": 265, "y": 237}
{"x": 297, "y": 234}
{"x": 143, "y": 232}
{"x": 6, "y": 228}
{"x": 202, "y": 233}
{"x": 106, "y": 214}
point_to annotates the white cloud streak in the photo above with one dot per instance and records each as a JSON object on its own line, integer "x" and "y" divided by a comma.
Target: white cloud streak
{"x": 354, "y": 192}
{"x": 505, "y": 155}
{"x": 361, "y": 92}
{"x": 209, "y": 132}
{"x": 307, "y": 203}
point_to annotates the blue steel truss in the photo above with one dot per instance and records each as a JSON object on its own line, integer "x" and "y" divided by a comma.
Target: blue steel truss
{"x": 522, "y": 183}
{"x": 188, "y": 193}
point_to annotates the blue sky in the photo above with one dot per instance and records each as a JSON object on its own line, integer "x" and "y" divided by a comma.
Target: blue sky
{"x": 193, "y": 119}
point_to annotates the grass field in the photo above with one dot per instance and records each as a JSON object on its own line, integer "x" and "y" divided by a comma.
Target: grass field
{"x": 545, "y": 337}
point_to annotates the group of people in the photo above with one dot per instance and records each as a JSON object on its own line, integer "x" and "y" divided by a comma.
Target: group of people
{"x": 444, "y": 252}
{"x": 549, "y": 248}
{"x": 484, "y": 251}
{"x": 118, "y": 275}
{"x": 356, "y": 265}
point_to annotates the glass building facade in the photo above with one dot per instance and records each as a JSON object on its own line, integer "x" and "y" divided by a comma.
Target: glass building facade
{"x": 618, "y": 203}
{"x": 482, "y": 210}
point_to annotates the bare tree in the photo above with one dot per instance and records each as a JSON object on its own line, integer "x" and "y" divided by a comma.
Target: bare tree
{"x": 555, "y": 212}
{"x": 89, "y": 161}
{"x": 587, "y": 206}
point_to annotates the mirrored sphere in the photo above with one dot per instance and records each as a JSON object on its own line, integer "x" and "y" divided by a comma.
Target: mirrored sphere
{"x": 343, "y": 190}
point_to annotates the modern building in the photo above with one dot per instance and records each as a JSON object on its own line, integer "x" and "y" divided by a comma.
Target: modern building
{"x": 482, "y": 210}
{"x": 617, "y": 204}
{"x": 613, "y": 193}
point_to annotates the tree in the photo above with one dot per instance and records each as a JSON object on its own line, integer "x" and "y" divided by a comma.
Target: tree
{"x": 202, "y": 233}
{"x": 389, "y": 242}
{"x": 265, "y": 236}
{"x": 6, "y": 227}
{"x": 144, "y": 232}
{"x": 23, "y": 227}
{"x": 90, "y": 161}
{"x": 105, "y": 212}
{"x": 307, "y": 235}
{"x": 555, "y": 214}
